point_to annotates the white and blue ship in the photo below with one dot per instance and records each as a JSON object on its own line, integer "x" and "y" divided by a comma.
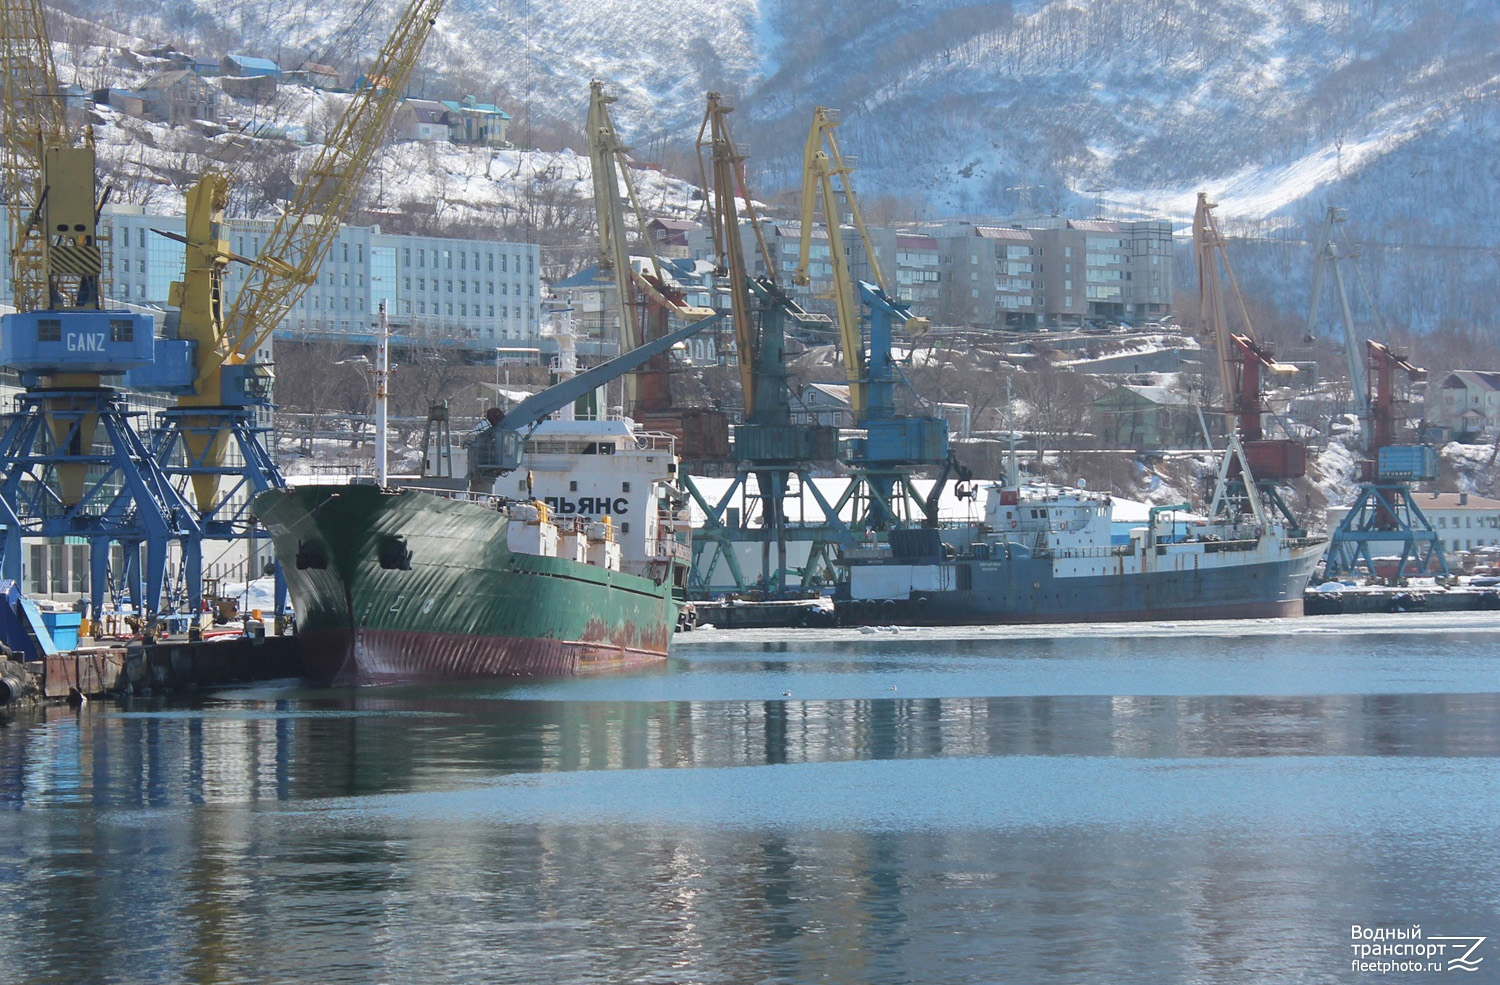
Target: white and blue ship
{"x": 1043, "y": 554}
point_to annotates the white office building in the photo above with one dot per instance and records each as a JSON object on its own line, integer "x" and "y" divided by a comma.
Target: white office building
{"x": 470, "y": 294}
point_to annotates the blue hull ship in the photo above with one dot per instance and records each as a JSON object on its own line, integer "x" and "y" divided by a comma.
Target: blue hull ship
{"x": 1049, "y": 556}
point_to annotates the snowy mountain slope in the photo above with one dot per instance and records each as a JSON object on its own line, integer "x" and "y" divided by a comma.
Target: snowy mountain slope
{"x": 958, "y": 107}
{"x": 959, "y": 104}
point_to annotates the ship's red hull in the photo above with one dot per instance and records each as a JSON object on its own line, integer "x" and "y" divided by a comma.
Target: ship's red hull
{"x": 384, "y": 656}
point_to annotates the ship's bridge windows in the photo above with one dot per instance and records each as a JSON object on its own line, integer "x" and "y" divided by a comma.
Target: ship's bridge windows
{"x": 558, "y": 447}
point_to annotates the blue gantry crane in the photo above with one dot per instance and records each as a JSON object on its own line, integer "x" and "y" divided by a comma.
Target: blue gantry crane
{"x": 1384, "y": 512}
{"x": 72, "y": 463}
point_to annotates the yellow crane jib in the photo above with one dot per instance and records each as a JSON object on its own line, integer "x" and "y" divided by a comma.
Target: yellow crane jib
{"x": 33, "y": 118}
{"x": 305, "y": 232}
{"x": 668, "y": 298}
{"x": 822, "y": 161}
{"x": 727, "y": 187}
{"x": 606, "y": 152}
{"x": 646, "y": 391}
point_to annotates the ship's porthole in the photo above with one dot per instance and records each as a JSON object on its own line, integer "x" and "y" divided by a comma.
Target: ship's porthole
{"x": 310, "y": 555}
{"x": 394, "y": 554}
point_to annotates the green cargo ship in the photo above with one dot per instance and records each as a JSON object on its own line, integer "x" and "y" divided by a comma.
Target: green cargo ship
{"x": 413, "y": 584}
{"x": 570, "y": 565}
{"x": 410, "y": 585}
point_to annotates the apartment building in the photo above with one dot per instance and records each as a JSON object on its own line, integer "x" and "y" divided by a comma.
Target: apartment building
{"x": 990, "y": 276}
{"x": 1056, "y": 273}
{"x": 1005, "y": 274}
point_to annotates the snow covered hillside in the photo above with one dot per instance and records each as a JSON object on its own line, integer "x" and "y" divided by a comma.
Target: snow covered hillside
{"x": 956, "y": 107}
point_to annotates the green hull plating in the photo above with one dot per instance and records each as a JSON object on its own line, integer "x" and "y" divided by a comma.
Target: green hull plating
{"x": 407, "y": 585}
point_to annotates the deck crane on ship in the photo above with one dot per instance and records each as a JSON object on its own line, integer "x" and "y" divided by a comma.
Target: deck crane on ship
{"x": 1384, "y": 511}
{"x": 768, "y": 447}
{"x": 1251, "y": 475}
{"x": 893, "y": 446}
{"x": 72, "y": 464}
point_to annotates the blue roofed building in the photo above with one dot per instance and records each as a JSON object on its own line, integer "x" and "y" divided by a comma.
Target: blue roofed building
{"x": 249, "y": 65}
{"x": 473, "y": 122}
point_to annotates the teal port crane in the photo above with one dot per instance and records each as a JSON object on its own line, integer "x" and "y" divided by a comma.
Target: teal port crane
{"x": 894, "y": 446}
{"x": 1384, "y": 512}
{"x": 778, "y": 453}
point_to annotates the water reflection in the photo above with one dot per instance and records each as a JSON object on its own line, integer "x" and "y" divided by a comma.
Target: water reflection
{"x": 513, "y": 834}
{"x": 139, "y": 755}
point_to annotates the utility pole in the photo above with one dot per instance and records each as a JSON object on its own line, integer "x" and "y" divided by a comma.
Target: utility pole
{"x": 382, "y": 397}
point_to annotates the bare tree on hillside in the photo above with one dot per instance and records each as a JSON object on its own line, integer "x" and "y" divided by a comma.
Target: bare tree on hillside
{"x": 429, "y": 368}
{"x": 1057, "y": 404}
{"x": 317, "y": 383}
{"x": 960, "y": 376}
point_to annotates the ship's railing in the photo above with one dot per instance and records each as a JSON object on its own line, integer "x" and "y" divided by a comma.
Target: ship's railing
{"x": 340, "y": 470}
{"x": 666, "y": 549}
{"x": 1075, "y": 552}
{"x": 487, "y": 500}
{"x": 1219, "y": 546}
{"x": 650, "y": 440}
{"x": 659, "y": 441}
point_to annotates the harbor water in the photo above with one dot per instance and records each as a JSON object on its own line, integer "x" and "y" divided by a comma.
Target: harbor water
{"x": 1156, "y": 803}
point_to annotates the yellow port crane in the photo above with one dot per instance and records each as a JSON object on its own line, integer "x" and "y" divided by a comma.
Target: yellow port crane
{"x": 303, "y": 234}
{"x": 213, "y": 367}
{"x": 287, "y": 265}
{"x": 648, "y": 398}
{"x": 35, "y": 121}
{"x": 767, "y": 444}
{"x": 823, "y": 163}
{"x": 894, "y": 446}
{"x": 727, "y": 188}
